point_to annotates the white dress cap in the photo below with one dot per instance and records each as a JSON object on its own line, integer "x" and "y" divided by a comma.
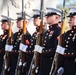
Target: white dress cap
{"x": 4, "y": 17}
{"x": 36, "y": 12}
{"x": 72, "y": 11}
{"x": 53, "y": 10}
{"x": 19, "y": 16}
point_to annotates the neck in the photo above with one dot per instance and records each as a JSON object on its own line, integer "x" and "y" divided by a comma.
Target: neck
{"x": 52, "y": 24}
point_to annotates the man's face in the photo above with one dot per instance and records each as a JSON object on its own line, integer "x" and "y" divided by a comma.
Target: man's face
{"x": 50, "y": 19}
{"x": 4, "y": 26}
{"x": 20, "y": 24}
{"x": 72, "y": 21}
{"x": 36, "y": 21}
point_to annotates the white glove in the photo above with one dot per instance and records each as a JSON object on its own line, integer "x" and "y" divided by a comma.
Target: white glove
{"x": 23, "y": 47}
{"x": 60, "y": 71}
{"x": 38, "y": 48}
{"x": 60, "y": 50}
{"x": 20, "y": 63}
{"x": 24, "y": 64}
{"x": 8, "y": 48}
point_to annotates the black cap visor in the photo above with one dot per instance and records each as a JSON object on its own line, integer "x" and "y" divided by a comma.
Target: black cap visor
{"x": 4, "y": 20}
{"x": 18, "y": 19}
{"x": 36, "y": 16}
{"x": 71, "y": 14}
{"x": 50, "y": 14}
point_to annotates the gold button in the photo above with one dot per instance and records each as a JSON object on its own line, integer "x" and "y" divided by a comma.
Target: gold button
{"x": 31, "y": 40}
{"x": 14, "y": 46}
{"x": 34, "y": 34}
{"x": 15, "y": 50}
{"x": 43, "y": 51}
{"x": 51, "y": 58}
{"x": 72, "y": 31}
{"x": 36, "y": 31}
{"x": 44, "y": 44}
{"x": 29, "y": 51}
{"x": 31, "y": 43}
{"x": 66, "y": 45}
{"x": 74, "y": 27}
{"x": 68, "y": 37}
{"x": 45, "y": 37}
{"x": 51, "y": 26}
{"x": 49, "y": 50}
{"x": 72, "y": 53}
{"x": 47, "y": 34}
{"x": 48, "y": 30}
{"x": 33, "y": 37}
{"x": 50, "y": 35}
{"x": 17, "y": 40}
{"x": 70, "y": 34}
{"x": 68, "y": 53}
{"x": 67, "y": 42}
{"x": 46, "y": 50}
{"x": 16, "y": 43}
{"x": 0, "y": 36}
{"x": 18, "y": 33}
{"x": 44, "y": 40}
{"x": 30, "y": 46}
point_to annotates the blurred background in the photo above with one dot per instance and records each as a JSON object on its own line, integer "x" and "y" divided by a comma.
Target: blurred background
{"x": 15, "y": 6}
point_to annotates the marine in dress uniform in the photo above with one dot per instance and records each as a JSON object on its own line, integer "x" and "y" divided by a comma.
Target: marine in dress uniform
{"x": 36, "y": 22}
{"x": 68, "y": 47}
{"x": 29, "y": 53}
{"x": 50, "y": 41}
{"x": 3, "y": 39}
{"x": 16, "y": 43}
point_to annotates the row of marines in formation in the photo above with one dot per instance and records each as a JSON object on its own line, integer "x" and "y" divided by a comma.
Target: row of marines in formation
{"x": 49, "y": 46}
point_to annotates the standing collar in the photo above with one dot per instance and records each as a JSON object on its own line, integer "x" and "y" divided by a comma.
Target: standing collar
{"x": 21, "y": 30}
{"x": 53, "y": 26}
{"x": 37, "y": 28}
{"x": 6, "y": 31}
{"x": 74, "y": 27}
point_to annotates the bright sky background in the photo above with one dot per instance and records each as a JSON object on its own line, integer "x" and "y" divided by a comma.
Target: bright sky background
{"x": 35, "y": 4}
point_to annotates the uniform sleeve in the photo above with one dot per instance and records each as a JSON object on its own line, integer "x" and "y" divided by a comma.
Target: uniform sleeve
{"x": 57, "y": 32}
{"x": 69, "y": 53}
{"x": 3, "y": 43}
{"x": 28, "y": 39}
{"x": 57, "y": 35}
{"x": 32, "y": 44}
